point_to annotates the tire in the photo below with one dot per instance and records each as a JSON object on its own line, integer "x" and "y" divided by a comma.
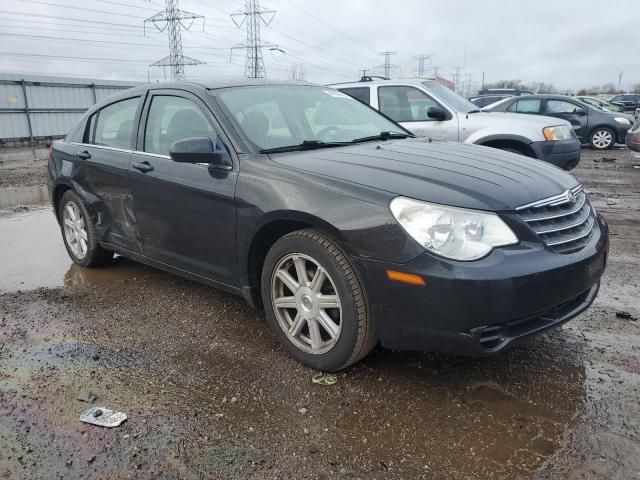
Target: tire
{"x": 300, "y": 322}
{"x": 602, "y": 138}
{"x": 518, "y": 151}
{"x": 85, "y": 252}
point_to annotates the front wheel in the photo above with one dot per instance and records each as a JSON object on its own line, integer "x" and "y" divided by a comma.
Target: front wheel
{"x": 601, "y": 139}
{"x": 315, "y": 303}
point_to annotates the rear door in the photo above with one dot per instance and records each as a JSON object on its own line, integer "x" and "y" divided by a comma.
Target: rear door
{"x": 103, "y": 156}
{"x": 408, "y": 106}
{"x": 575, "y": 114}
{"x": 185, "y": 212}
{"x": 531, "y": 106}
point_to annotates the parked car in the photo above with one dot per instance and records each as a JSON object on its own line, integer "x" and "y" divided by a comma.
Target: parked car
{"x": 596, "y": 102}
{"x": 633, "y": 136}
{"x": 628, "y": 101}
{"x": 505, "y": 91}
{"x": 591, "y": 125}
{"x": 430, "y": 109}
{"x": 345, "y": 228}
{"x": 484, "y": 100}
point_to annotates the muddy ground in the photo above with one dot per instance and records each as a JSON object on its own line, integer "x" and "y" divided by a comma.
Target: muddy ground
{"x": 209, "y": 393}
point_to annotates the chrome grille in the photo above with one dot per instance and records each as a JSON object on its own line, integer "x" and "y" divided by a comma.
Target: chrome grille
{"x": 563, "y": 222}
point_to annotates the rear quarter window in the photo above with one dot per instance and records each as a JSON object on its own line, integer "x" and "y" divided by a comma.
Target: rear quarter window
{"x": 114, "y": 125}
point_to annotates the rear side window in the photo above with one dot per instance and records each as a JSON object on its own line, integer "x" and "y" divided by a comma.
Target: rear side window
{"x": 560, "y": 106}
{"x": 405, "y": 104}
{"x": 114, "y": 125}
{"x": 359, "y": 93}
{"x": 175, "y": 118}
{"x": 530, "y": 105}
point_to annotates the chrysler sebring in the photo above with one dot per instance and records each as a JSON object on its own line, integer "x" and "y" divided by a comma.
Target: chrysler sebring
{"x": 333, "y": 218}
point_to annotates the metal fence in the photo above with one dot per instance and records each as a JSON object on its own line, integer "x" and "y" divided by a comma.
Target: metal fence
{"x": 36, "y": 107}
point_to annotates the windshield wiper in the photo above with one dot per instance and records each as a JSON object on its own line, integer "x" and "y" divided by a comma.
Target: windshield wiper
{"x": 382, "y": 136}
{"x": 474, "y": 111}
{"x": 305, "y": 145}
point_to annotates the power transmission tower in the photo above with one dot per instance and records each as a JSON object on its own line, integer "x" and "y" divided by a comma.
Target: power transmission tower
{"x": 421, "y": 59}
{"x": 435, "y": 71}
{"x": 253, "y": 18}
{"x": 387, "y": 65}
{"x": 172, "y": 20}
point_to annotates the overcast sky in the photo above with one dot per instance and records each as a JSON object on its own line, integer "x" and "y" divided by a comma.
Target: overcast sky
{"x": 571, "y": 44}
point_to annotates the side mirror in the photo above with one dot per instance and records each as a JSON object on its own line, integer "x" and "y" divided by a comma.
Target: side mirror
{"x": 198, "y": 150}
{"x": 581, "y": 112}
{"x": 437, "y": 113}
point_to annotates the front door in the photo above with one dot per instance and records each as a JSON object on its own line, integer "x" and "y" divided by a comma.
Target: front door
{"x": 185, "y": 212}
{"x": 408, "y": 106}
{"x": 575, "y": 114}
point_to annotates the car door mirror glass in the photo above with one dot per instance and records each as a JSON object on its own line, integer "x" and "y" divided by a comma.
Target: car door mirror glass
{"x": 198, "y": 150}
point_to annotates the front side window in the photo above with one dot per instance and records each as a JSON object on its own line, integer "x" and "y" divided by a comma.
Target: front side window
{"x": 359, "y": 93}
{"x": 282, "y": 116}
{"x": 525, "y": 106}
{"x": 175, "y": 118}
{"x": 405, "y": 104}
{"x": 561, "y": 106}
{"x": 114, "y": 125}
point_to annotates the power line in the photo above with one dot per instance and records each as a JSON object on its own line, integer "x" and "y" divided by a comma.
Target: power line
{"x": 253, "y": 17}
{"x": 172, "y": 20}
{"x": 38, "y": 2}
{"x": 328, "y": 25}
{"x": 83, "y": 20}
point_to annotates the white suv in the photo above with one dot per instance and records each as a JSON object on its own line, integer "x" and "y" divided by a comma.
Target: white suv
{"x": 428, "y": 108}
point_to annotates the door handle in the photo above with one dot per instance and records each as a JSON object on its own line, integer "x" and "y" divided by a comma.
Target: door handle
{"x": 144, "y": 167}
{"x": 83, "y": 155}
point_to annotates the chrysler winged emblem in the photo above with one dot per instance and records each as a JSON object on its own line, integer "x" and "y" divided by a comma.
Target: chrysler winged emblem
{"x": 571, "y": 198}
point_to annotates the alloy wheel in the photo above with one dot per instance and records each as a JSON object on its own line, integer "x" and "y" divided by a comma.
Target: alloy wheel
{"x": 306, "y": 303}
{"x": 75, "y": 232}
{"x": 602, "y": 139}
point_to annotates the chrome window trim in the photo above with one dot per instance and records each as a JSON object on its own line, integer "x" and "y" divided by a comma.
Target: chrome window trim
{"x": 101, "y": 147}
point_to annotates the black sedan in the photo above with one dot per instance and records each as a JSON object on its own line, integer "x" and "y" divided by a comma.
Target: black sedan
{"x": 591, "y": 124}
{"x": 346, "y": 229}
{"x": 628, "y": 101}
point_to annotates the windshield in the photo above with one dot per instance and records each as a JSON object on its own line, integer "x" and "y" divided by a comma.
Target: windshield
{"x": 274, "y": 117}
{"x": 451, "y": 98}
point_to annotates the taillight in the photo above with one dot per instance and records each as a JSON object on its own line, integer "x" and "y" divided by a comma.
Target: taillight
{"x": 50, "y": 155}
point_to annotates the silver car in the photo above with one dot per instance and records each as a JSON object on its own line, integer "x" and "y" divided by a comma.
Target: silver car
{"x": 428, "y": 108}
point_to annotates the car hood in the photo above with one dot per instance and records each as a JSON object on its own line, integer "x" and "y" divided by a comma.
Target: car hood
{"x": 461, "y": 175}
{"x": 508, "y": 118}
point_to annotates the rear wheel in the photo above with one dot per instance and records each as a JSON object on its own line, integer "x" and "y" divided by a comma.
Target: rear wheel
{"x": 602, "y": 138}
{"x": 79, "y": 233}
{"x": 314, "y": 302}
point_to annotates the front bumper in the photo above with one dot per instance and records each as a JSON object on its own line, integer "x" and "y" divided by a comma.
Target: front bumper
{"x": 562, "y": 153}
{"x": 621, "y": 133}
{"x": 482, "y": 307}
{"x": 633, "y": 140}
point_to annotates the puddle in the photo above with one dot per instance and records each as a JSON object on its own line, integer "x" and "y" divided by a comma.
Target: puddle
{"x": 32, "y": 253}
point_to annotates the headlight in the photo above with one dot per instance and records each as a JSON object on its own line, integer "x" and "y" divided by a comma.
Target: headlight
{"x": 622, "y": 120}
{"x": 455, "y": 233}
{"x": 561, "y": 132}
